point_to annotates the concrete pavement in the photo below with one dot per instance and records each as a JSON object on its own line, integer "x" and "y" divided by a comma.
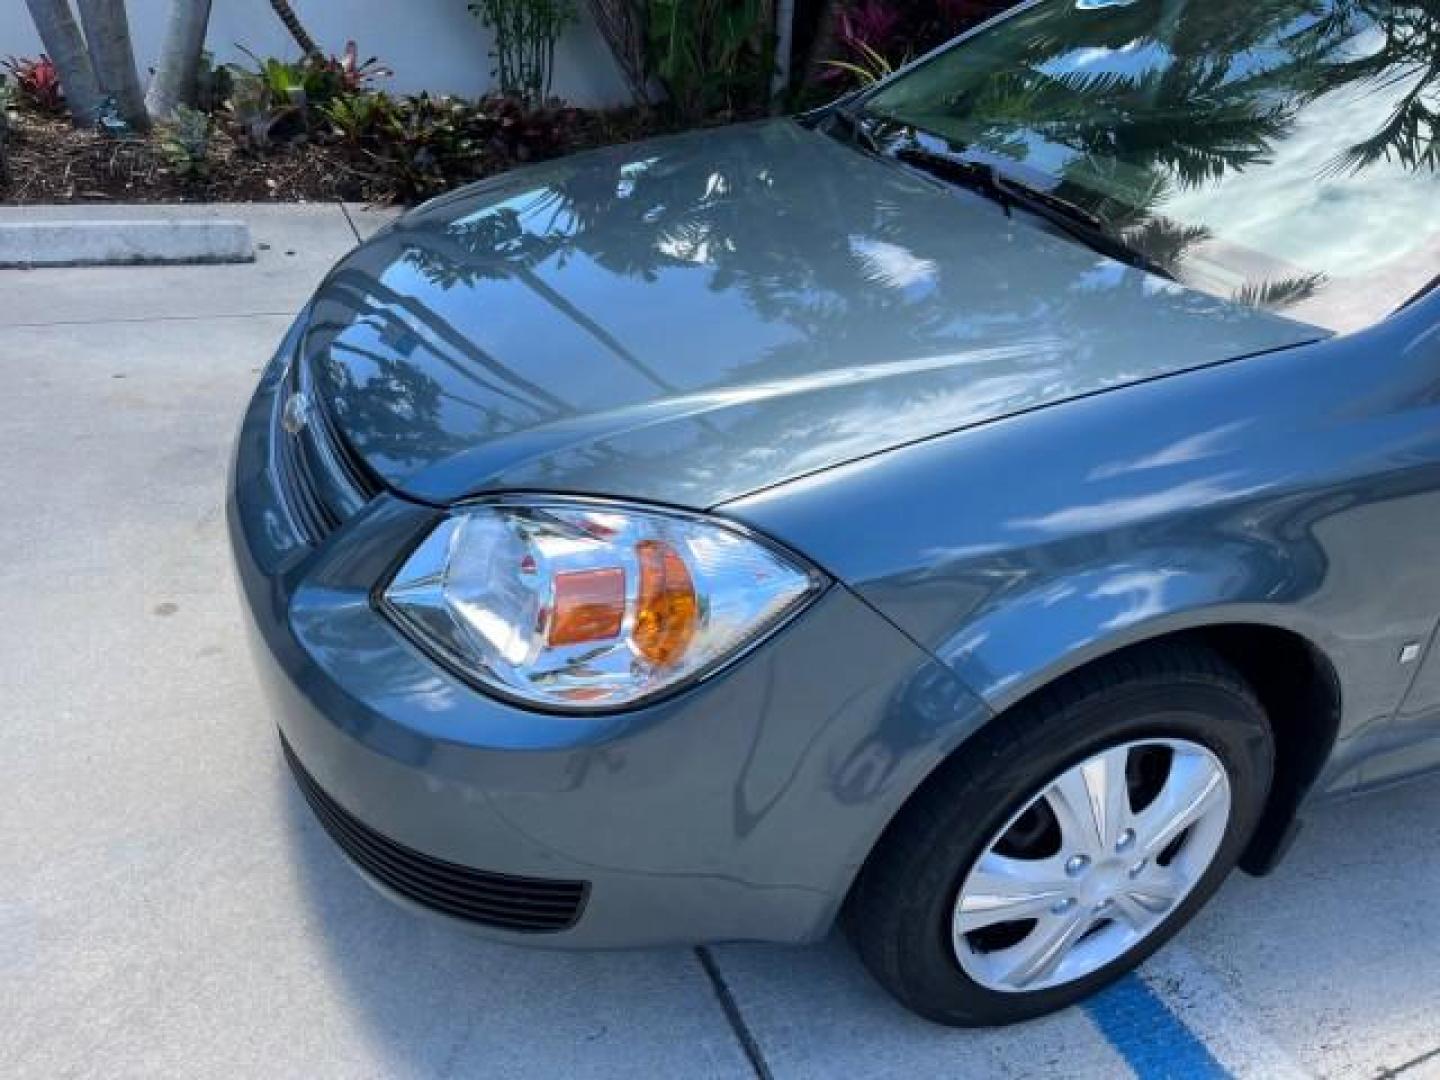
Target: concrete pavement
{"x": 169, "y": 908}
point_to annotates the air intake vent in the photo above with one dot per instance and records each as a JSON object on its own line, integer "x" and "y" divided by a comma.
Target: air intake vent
{"x": 523, "y": 905}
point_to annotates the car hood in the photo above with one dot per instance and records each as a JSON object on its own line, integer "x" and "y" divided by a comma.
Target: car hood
{"x": 691, "y": 319}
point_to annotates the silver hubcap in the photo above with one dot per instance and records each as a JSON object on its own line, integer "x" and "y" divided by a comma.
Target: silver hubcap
{"x": 1092, "y": 865}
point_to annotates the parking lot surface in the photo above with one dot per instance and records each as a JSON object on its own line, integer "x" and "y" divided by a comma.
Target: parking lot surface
{"x": 169, "y": 908}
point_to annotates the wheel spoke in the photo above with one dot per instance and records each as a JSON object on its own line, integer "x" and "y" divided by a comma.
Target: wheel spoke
{"x": 1109, "y": 791}
{"x": 1069, "y": 800}
{"x": 1042, "y": 950}
{"x": 1129, "y": 909}
{"x": 1158, "y": 889}
{"x": 1193, "y": 785}
{"x": 1001, "y": 889}
{"x": 1092, "y": 803}
{"x": 1150, "y": 897}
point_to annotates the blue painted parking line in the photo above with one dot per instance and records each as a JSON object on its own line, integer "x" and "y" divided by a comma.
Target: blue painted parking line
{"x": 1152, "y": 1039}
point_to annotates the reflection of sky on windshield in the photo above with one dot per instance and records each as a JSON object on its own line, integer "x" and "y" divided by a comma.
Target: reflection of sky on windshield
{"x": 1289, "y": 208}
{"x": 1347, "y": 225}
{"x": 1132, "y": 60}
{"x": 1183, "y": 119}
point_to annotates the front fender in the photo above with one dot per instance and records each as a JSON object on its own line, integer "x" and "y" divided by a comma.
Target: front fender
{"x": 1059, "y": 624}
{"x": 1296, "y": 490}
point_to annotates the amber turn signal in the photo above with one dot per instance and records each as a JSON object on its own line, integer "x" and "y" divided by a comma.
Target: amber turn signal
{"x": 668, "y": 611}
{"x": 589, "y": 606}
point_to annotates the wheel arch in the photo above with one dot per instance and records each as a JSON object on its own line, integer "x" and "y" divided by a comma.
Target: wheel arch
{"x": 1291, "y": 673}
{"x": 1285, "y": 654}
{"x": 1292, "y": 676}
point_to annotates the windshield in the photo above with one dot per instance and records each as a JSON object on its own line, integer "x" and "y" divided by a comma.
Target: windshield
{"x": 1281, "y": 153}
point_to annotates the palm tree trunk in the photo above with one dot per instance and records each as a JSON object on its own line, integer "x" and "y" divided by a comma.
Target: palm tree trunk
{"x": 287, "y": 16}
{"x": 822, "y": 44}
{"x": 784, "y": 46}
{"x": 107, "y": 35}
{"x": 622, "y": 25}
{"x": 174, "y": 80}
{"x": 65, "y": 45}
{"x": 4, "y": 138}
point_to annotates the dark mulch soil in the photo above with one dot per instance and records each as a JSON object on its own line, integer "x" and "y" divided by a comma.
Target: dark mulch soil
{"x": 52, "y": 162}
{"x": 49, "y": 161}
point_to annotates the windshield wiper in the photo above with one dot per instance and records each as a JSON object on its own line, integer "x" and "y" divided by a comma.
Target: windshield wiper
{"x": 1072, "y": 218}
{"x": 852, "y": 118}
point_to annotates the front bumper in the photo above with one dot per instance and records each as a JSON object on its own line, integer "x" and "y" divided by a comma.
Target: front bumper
{"x": 740, "y": 809}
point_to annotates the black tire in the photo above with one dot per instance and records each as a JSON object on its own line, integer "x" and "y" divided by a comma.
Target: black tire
{"x": 898, "y": 914}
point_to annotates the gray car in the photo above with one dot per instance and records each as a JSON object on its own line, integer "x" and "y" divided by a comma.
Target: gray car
{"x": 984, "y": 511}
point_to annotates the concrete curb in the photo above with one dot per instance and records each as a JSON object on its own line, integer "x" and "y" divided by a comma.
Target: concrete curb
{"x": 98, "y": 242}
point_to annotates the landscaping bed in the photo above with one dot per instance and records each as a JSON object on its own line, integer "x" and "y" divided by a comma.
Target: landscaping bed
{"x": 52, "y": 162}
{"x": 322, "y": 127}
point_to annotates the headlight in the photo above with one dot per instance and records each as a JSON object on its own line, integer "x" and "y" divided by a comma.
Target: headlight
{"x": 581, "y": 605}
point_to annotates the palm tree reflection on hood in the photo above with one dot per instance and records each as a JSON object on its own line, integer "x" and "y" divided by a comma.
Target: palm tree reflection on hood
{"x": 1133, "y": 107}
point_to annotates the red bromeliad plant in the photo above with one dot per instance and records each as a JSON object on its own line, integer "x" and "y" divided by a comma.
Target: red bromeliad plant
{"x": 356, "y": 76}
{"x": 37, "y": 81}
{"x": 873, "y": 37}
{"x": 871, "y": 23}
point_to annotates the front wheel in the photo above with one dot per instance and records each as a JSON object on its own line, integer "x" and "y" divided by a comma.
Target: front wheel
{"x": 1073, "y": 838}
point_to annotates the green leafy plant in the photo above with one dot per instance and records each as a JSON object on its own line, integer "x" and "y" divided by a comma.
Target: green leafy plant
{"x": 257, "y": 118}
{"x": 424, "y": 145}
{"x": 212, "y": 83}
{"x": 298, "y": 83}
{"x": 867, "y": 69}
{"x": 711, "y": 55}
{"x": 425, "y": 141}
{"x": 526, "y": 33}
{"x": 184, "y": 142}
{"x": 360, "y": 118}
{"x": 280, "y": 101}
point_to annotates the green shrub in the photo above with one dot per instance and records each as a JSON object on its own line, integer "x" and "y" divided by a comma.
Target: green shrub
{"x": 429, "y": 144}
{"x": 257, "y": 118}
{"x": 526, "y": 33}
{"x": 361, "y": 119}
{"x": 184, "y": 142}
{"x": 712, "y": 55}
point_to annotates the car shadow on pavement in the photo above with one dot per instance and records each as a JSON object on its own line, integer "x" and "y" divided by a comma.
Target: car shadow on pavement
{"x": 1329, "y": 958}
{"x": 437, "y": 1001}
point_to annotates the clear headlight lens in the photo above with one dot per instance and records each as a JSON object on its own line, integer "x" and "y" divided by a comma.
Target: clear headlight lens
{"x": 579, "y": 605}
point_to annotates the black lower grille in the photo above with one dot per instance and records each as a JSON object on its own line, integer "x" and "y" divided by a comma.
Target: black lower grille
{"x": 524, "y": 905}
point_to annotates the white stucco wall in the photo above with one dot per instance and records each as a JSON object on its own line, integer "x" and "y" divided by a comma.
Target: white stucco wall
{"x": 434, "y": 45}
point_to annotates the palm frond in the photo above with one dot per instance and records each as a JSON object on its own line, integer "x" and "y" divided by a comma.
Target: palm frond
{"x": 1278, "y": 292}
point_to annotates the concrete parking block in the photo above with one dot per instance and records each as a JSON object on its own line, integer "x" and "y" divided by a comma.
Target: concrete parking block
{"x": 42, "y": 243}
{"x": 294, "y": 247}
